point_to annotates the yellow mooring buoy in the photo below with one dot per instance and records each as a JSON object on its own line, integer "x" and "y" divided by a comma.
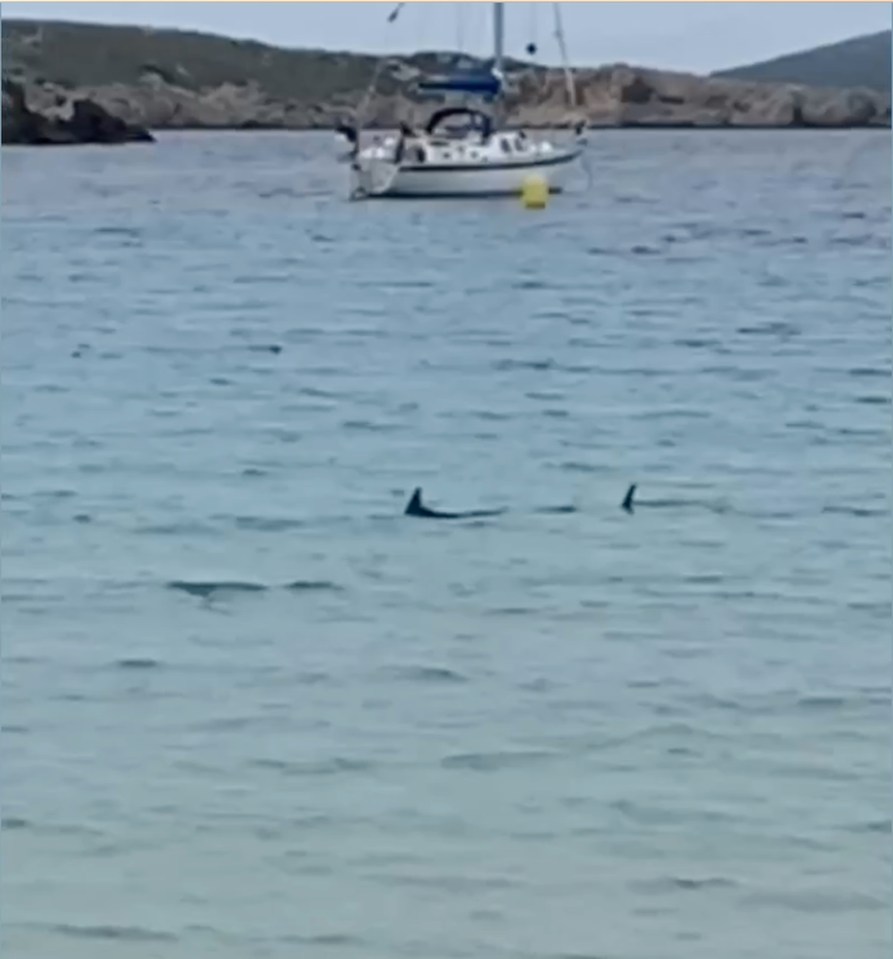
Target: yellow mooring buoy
{"x": 534, "y": 192}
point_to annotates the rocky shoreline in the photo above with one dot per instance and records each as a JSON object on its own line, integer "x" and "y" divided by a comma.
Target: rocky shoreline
{"x": 75, "y": 120}
{"x": 612, "y": 97}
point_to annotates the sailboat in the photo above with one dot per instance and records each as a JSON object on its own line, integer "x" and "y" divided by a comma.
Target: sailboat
{"x": 461, "y": 151}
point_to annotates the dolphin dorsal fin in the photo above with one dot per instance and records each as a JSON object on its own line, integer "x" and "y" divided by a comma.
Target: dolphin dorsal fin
{"x": 415, "y": 501}
{"x": 627, "y": 503}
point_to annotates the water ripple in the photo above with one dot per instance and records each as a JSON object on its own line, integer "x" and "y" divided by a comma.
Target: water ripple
{"x": 434, "y": 735}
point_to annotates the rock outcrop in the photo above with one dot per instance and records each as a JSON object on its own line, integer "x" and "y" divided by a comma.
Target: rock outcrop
{"x": 67, "y": 121}
{"x": 623, "y": 96}
{"x": 172, "y": 79}
{"x": 613, "y": 96}
{"x": 657, "y": 98}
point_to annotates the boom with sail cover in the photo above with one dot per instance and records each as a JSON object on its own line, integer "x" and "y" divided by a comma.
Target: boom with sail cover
{"x": 480, "y": 84}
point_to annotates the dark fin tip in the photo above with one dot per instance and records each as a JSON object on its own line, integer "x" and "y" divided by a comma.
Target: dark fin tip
{"x": 627, "y": 503}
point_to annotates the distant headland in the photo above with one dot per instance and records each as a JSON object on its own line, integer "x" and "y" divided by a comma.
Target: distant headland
{"x": 70, "y": 82}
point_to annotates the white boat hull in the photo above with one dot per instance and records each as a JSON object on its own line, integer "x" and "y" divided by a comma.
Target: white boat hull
{"x": 378, "y": 178}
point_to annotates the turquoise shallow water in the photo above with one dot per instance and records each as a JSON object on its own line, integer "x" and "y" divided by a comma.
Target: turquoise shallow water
{"x": 253, "y": 711}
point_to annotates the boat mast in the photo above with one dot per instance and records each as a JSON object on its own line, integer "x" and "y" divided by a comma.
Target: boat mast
{"x": 568, "y": 74}
{"x": 498, "y": 55}
{"x": 498, "y": 37}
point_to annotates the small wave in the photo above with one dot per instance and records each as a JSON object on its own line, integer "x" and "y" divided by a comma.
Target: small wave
{"x": 119, "y": 933}
{"x": 776, "y": 241}
{"x": 538, "y": 685}
{"x": 457, "y": 883}
{"x": 669, "y": 414}
{"x": 285, "y": 435}
{"x": 230, "y": 723}
{"x": 325, "y": 939}
{"x": 58, "y": 493}
{"x": 869, "y": 371}
{"x": 636, "y": 199}
{"x": 310, "y": 585}
{"x": 277, "y": 192}
{"x": 861, "y": 511}
{"x": 367, "y": 426}
{"x": 777, "y": 328}
{"x": 267, "y": 524}
{"x": 138, "y": 663}
{"x": 831, "y": 702}
{"x": 659, "y": 816}
{"x": 864, "y": 434}
{"x": 575, "y": 467}
{"x": 14, "y": 823}
{"x": 122, "y": 231}
{"x": 504, "y": 366}
{"x": 547, "y": 396}
{"x": 689, "y": 884}
{"x": 317, "y": 393}
{"x": 491, "y": 762}
{"x": 673, "y": 730}
{"x": 873, "y": 826}
{"x": 818, "y": 901}
{"x": 490, "y": 416}
{"x": 189, "y": 528}
{"x": 704, "y": 579}
{"x": 713, "y": 701}
{"x": 532, "y": 285}
{"x": 323, "y": 767}
{"x": 273, "y": 348}
{"x": 644, "y": 684}
{"x": 865, "y": 239}
{"x": 429, "y": 674}
{"x": 877, "y": 609}
{"x": 210, "y": 588}
{"x": 694, "y": 343}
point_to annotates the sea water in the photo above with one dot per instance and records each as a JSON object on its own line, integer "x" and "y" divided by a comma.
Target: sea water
{"x": 251, "y": 710}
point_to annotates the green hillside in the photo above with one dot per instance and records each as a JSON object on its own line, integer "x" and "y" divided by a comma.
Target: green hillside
{"x": 84, "y": 55}
{"x": 90, "y": 55}
{"x": 860, "y": 62}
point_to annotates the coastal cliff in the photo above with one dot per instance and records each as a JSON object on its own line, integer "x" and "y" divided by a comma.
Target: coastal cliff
{"x": 165, "y": 79}
{"x": 69, "y": 121}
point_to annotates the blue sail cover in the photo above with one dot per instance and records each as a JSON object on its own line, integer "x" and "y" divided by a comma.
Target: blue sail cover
{"x": 483, "y": 84}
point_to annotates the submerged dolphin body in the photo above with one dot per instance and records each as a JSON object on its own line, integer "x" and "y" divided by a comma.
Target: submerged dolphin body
{"x": 630, "y": 503}
{"x": 415, "y": 507}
